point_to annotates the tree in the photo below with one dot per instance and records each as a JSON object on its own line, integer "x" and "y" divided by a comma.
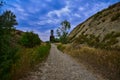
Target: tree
{"x": 30, "y": 39}
{"x": 7, "y": 50}
{"x": 7, "y": 22}
{"x": 62, "y": 31}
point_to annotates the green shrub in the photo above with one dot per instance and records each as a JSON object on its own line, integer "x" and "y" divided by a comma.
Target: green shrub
{"x": 30, "y": 39}
{"x": 42, "y": 52}
{"x": 29, "y": 58}
{"x": 7, "y": 49}
{"x": 61, "y": 47}
{"x": 108, "y": 41}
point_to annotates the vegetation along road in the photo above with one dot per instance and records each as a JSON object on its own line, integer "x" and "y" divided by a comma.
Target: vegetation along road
{"x": 60, "y": 66}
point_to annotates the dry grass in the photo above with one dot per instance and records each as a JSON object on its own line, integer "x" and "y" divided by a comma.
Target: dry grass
{"x": 29, "y": 57}
{"x": 104, "y": 62}
{"x": 23, "y": 66}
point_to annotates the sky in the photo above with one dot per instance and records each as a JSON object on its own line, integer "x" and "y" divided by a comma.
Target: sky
{"x": 41, "y": 16}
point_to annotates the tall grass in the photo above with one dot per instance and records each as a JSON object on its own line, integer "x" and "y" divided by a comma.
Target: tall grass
{"x": 29, "y": 57}
{"x": 105, "y": 62}
{"x": 61, "y": 47}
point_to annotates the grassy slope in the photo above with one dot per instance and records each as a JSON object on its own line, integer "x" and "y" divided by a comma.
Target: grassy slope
{"x": 28, "y": 58}
{"x": 104, "y": 62}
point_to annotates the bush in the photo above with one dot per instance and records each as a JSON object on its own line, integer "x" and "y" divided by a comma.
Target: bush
{"x": 109, "y": 40}
{"x": 30, "y": 39}
{"x": 42, "y": 52}
{"x": 60, "y": 47}
{"x": 29, "y": 58}
{"x": 7, "y": 50}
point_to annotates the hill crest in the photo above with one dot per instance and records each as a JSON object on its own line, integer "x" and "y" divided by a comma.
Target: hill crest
{"x": 100, "y": 24}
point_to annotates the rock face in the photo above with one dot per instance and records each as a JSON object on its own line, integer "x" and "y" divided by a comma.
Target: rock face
{"x": 100, "y": 24}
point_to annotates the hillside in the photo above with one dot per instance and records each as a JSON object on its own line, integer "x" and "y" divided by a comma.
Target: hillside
{"x": 101, "y": 24}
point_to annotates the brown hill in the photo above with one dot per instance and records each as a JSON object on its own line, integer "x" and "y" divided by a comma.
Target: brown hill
{"x": 104, "y": 24}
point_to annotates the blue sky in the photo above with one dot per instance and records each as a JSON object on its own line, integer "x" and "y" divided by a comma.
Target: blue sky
{"x": 41, "y": 16}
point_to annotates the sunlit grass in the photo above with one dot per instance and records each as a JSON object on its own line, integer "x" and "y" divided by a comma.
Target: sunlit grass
{"x": 106, "y": 62}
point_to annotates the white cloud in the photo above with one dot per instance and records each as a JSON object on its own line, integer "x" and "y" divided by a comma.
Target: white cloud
{"x": 18, "y": 8}
{"x": 94, "y": 9}
{"x": 33, "y": 9}
{"x": 59, "y": 13}
{"x": 44, "y": 36}
{"x": 81, "y": 8}
{"x": 44, "y": 22}
{"x": 19, "y": 11}
{"x": 37, "y": 13}
{"x": 77, "y": 15}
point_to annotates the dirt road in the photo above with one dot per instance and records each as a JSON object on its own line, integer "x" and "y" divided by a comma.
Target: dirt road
{"x": 60, "y": 66}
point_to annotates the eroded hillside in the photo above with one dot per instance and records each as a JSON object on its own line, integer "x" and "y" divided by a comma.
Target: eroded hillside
{"x": 101, "y": 25}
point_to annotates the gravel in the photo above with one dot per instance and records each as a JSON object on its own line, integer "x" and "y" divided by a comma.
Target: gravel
{"x": 60, "y": 66}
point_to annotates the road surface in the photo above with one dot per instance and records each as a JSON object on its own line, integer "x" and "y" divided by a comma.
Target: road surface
{"x": 60, "y": 66}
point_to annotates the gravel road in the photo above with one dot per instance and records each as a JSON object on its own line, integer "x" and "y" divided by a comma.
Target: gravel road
{"x": 60, "y": 66}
